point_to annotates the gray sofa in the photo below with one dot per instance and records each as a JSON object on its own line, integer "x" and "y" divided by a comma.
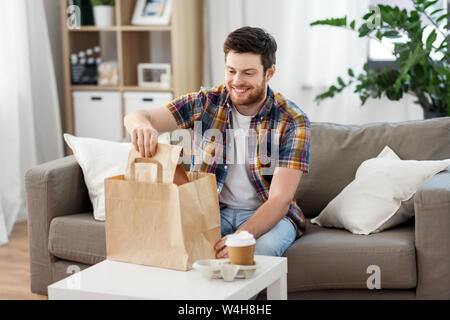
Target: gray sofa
{"x": 325, "y": 263}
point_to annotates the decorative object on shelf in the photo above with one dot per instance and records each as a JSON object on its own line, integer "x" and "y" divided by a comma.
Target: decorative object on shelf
{"x": 155, "y": 75}
{"x": 83, "y": 66}
{"x": 421, "y": 56}
{"x": 108, "y": 74}
{"x": 86, "y": 14}
{"x": 152, "y": 12}
{"x": 83, "y": 73}
{"x": 80, "y": 71}
{"x": 104, "y": 13}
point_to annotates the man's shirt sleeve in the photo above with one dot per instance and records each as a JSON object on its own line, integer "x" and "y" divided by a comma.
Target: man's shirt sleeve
{"x": 187, "y": 109}
{"x": 295, "y": 144}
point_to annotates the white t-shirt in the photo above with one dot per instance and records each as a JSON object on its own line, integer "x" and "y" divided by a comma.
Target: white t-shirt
{"x": 238, "y": 191}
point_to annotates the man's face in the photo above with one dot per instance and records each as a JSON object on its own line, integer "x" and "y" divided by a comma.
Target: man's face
{"x": 245, "y": 79}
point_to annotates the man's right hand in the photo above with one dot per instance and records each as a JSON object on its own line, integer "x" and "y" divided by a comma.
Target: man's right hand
{"x": 144, "y": 128}
{"x": 145, "y": 139}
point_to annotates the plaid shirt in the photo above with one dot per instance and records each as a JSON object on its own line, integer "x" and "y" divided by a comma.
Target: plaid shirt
{"x": 279, "y": 137}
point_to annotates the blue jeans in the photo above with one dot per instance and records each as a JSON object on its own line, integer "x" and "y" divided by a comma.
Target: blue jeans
{"x": 273, "y": 243}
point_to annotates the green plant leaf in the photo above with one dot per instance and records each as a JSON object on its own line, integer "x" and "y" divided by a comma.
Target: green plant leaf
{"x": 401, "y": 47}
{"x": 418, "y": 71}
{"x": 436, "y": 11}
{"x": 392, "y": 94}
{"x": 445, "y": 16}
{"x": 443, "y": 45}
{"x": 414, "y": 16}
{"x": 102, "y": 2}
{"x": 386, "y": 78}
{"x": 367, "y": 16}
{"x": 391, "y": 34}
{"x": 379, "y": 35}
{"x": 429, "y": 3}
{"x": 414, "y": 26}
{"x": 336, "y": 22}
{"x": 430, "y": 40}
{"x": 389, "y": 14}
{"x": 364, "y": 30}
{"x": 350, "y": 73}
{"x": 341, "y": 82}
{"x": 352, "y": 24}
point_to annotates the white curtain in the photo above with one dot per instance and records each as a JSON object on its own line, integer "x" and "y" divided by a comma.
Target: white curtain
{"x": 309, "y": 59}
{"x": 30, "y": 125}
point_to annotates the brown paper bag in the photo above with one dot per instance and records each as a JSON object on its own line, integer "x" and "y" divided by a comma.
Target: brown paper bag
{"x": 159, "y": 215}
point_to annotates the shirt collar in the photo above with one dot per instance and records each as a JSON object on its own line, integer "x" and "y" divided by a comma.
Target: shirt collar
{"x": 262, "y": 113}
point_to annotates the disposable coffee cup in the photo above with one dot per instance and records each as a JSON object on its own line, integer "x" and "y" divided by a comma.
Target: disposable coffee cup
{"x": 241, "y": 248}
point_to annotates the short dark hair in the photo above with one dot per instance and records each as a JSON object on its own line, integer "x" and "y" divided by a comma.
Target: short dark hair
{"x": 254, "y": 40}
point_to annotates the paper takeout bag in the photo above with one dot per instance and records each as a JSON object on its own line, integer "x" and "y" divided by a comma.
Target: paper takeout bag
{"x": 158, "y": 214}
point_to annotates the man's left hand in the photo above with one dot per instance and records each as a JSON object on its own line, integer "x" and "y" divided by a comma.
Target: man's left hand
{"x": 221, "y": 248}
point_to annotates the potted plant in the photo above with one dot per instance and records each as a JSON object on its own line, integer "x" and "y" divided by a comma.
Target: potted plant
{"x": 421, "y": 66}
{"x": 103, "y": 12}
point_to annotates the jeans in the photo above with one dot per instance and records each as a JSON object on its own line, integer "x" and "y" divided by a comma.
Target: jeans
{"x": 273, "y": 243}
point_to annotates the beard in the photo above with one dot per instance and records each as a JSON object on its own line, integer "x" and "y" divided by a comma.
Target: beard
{"x": 253, "y": 95}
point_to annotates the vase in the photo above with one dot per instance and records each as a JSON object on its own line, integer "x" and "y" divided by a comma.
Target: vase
{"x": 430, "y": 114}
{"x": 104, "y": 16}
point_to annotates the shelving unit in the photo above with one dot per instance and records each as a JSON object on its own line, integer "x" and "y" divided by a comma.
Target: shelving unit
{"x": 133, "y": 47}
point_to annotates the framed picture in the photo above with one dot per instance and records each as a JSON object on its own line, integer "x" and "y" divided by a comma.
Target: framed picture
{"x": 155, "y": 75}
{"x": 152, "y": 12}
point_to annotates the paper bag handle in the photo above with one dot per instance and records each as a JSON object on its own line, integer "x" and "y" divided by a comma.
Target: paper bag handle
{"x": 146, "y": 160}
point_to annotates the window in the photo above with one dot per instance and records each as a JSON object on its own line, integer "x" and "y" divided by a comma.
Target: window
{"x": 380, "y": 54}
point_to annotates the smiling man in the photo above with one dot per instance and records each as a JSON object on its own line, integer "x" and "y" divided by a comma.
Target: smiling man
{"x": 256, "y": 176}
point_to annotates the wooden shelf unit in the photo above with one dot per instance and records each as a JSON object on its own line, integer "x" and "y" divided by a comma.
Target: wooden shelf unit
{"x": 186, "y": 47}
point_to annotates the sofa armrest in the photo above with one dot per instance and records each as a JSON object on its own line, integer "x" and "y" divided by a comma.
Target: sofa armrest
{"x": 53, "y": 189}
{"x": 432, "y": 237}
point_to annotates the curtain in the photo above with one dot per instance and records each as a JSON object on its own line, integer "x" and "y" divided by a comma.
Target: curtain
{"x": 309, "y": 59}
{"x": 30, "y": 125}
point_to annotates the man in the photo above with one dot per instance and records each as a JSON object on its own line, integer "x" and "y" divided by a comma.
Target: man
{"x": 254, "y": 196}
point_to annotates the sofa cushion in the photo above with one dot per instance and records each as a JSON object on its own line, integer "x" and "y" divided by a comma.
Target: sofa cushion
{"x": 78, "y": 237}
{"x": 337, "y": 151}
{"x": 325, "y": 258}
{"x": 380, "y": 186}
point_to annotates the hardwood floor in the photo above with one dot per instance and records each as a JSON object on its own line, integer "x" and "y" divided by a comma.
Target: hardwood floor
{"x": 15, "y": 268}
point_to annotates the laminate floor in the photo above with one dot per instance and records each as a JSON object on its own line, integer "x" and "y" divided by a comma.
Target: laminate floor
{"x": 15, "y": 267}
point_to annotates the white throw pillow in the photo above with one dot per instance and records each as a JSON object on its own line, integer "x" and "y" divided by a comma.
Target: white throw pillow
{"x": 373, "y": 199}
{"x": 99, "y": 159}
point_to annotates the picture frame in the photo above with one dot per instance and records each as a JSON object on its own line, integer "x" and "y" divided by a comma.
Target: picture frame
{"x": 154, "y": 75}
{"x": 152, "y": 12}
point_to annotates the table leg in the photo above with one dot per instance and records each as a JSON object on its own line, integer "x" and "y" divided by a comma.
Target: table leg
{"x": 278, "y": 289}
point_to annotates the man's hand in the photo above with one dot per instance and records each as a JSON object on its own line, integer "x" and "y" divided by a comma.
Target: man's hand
{"x": 221, "y": 248}
{"x": 144, "y": 127}
{"x": 145, "y": 139}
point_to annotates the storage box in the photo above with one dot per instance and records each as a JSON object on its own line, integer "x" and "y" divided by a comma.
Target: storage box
{"x": 97, "y": 114}
{"x": 145, "y": 100}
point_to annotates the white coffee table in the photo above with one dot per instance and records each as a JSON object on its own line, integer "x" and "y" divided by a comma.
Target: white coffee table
{"x": 118, "y": 280}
